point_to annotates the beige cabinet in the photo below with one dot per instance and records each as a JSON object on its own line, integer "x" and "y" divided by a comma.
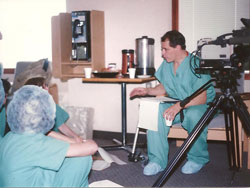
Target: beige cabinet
{"x": 62, "y": 64}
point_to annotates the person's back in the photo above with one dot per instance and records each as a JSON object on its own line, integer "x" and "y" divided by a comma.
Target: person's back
{"x": 32, "y": 155}
{"x": 27, "y": 160}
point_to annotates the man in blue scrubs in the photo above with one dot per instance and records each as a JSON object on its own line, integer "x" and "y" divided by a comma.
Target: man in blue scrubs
{"x": 177, "y": 80}
{"x": 32, "y": 155}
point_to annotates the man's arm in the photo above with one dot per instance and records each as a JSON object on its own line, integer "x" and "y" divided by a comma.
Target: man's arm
{"x": 60, "y": 136}
{"x": 156, "y": 91}
{"x": 171, "y": 112}
{"x": 200, "y": 99}
{"x": 88, "y": 147}
{"x": 85, "y": 148}
{"x": 68, "y": 132}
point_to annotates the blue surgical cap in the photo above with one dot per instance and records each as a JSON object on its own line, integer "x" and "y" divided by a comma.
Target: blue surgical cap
{"x": 32, "y": 110}
{"x": 2, "y": 93}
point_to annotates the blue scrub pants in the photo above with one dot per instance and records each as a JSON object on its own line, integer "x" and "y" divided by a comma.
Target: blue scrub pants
{"x": 73, "y": 172}
{"x": 157, "y": 141}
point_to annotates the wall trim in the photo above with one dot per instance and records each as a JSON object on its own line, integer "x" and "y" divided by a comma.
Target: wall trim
{"x": 175, "y": 15}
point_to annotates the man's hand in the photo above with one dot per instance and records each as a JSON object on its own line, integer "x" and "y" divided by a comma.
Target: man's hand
{"x": 86, "y": 147}
{"x": 140, "y": 91}
{"x": 171, "y": 112}
{"x": 78, "y": 139}
{"x": 156, "y": 91}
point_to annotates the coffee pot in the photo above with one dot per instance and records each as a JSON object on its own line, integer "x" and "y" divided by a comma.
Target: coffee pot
{"x": 145, "y": 56}
{"x": 127, "y": 60}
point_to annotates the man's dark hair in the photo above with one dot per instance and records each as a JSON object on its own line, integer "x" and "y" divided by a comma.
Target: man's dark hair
{"x": 39, "y": 81}
{"x": 175, "y": 38}
{"x": 6, "y": 86}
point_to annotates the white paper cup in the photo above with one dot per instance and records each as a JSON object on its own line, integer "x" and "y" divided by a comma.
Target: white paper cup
{"x": 132, "y": 72}
{"x": 168, "y": 122}
{"x": 87, "y": 72}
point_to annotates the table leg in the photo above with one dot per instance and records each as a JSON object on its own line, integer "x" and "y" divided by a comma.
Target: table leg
{"x": 122, "y": 144}
{"x": 124, "y": 113}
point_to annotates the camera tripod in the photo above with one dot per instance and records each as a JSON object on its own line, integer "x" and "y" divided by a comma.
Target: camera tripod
{"x": 231, "y": 104}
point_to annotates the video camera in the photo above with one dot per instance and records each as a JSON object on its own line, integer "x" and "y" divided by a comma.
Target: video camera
{"x": 228, "y": 52}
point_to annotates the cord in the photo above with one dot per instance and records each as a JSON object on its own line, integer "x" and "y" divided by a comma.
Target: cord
{"x": 194, "y": 57}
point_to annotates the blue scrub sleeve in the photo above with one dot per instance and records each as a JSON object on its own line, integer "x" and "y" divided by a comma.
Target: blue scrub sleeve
{"x": 35, "y": 150}
{"x": 61, "y": 117}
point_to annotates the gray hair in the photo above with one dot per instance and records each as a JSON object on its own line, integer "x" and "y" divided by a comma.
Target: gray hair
{"x": 32, "y": 110}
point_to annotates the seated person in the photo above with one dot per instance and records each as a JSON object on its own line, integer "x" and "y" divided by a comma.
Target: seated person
{"x": 39, "y": 73}
{"x": 32, "y": 155}
{"x": 177, "y": 80}
{"x": 61, "y": 115}
{"x": 3, "y": 127}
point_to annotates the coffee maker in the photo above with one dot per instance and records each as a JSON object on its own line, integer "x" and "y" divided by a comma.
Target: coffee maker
{"x": 145, "y": 56}
{"x": 81, "y": 45}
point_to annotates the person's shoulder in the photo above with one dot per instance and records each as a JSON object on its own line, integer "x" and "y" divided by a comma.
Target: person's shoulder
{"x": 61, "y": 112}
{"x": 59, "y": 108}
{"x": 165, "y": 64}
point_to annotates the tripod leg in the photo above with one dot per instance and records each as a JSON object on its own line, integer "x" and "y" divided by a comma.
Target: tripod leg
{"x": 229, "y": 148}
{"x": 241, "y": 109}
{"x": 205, "y": 119}
{"x": 237, "y": 139}
{"x": 232, "y": 142}
{"x": 232, "y": 136}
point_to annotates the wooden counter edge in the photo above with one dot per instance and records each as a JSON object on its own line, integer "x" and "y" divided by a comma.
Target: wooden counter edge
{"x": 117, "y": 80}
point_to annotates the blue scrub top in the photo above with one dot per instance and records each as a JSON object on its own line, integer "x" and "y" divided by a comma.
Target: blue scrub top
{"x": 61, "y": 117}
{"x": 29, "y": 160}
{"x": 185, "y": 82}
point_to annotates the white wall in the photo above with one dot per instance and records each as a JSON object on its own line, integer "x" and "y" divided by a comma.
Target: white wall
{"x": 26, "y": 29}
{"x": 125, "y": 20}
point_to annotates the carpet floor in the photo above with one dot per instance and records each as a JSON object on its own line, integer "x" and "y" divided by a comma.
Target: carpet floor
{"x": 215, "y": 174}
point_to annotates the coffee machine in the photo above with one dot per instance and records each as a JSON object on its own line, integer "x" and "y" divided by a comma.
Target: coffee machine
{"x": 145, "y": 56}
{"x": 81, "y": 44}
